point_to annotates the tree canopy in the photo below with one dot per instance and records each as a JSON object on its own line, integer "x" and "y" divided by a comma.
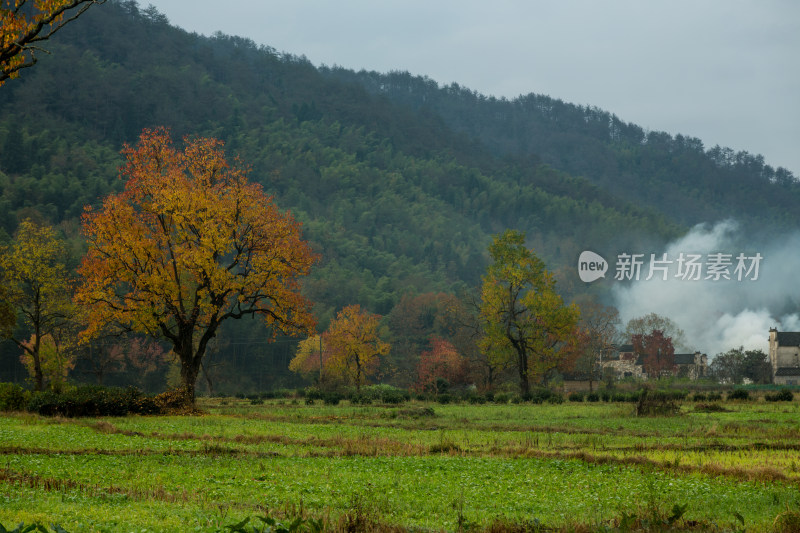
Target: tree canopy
{"x": 525, "y": 320}
{"x": 36, "y": 290}
{"x": 188, "y": 245}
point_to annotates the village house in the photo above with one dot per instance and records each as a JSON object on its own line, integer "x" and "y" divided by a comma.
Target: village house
{"x": 626, "y": 363}
{"x": 784, "y": 356}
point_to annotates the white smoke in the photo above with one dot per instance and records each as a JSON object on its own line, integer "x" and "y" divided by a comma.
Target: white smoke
{"x": 719, "y": 315}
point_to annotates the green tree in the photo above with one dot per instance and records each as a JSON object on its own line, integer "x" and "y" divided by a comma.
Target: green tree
{"x": 524, "y": 317}
{"x": 36, "y": 291}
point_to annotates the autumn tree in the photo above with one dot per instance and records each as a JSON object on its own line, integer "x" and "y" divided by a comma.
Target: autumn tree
{"x": 187, "y": 245}
{"x": 657, "y": 351}
{"x": 524, "y": 318}
{"x": 25, "y": 23}
{"x": 441, "y": 362}
{"x": 55, "y": 360}
{"x": 647, "y": 324}
{"x": 310, "y": 358}
{"x": 36, "y": 291}
{"x": 354, "y": 345}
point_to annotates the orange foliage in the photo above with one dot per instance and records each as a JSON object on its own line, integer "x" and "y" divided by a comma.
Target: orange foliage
{"x": 441, "y": 361}
{"x": 22, "y": 25}
{"x": 188, "y": 244}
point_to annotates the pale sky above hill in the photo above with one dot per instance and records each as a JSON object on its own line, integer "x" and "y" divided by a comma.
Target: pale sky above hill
{"x": 726, "y": 71}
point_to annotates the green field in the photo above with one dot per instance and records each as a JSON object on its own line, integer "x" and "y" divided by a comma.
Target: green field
{"x": 419, "y": 466}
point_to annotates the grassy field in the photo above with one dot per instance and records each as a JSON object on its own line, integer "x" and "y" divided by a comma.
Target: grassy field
{"x": 417, "y": 466}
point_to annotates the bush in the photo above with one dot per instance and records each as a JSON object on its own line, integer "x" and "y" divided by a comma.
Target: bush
{"x": 502, "y": 398}
{"x": 539, "y": 395}
{"x": 739, "y": 394}
{"x": 313, "y": 393}
{"x": 714, "y": 396}
{"x": 92, "y": 400}
{"x": 555, "y": 398}
{"x": 699, "y": 397}
{"x": 657, "y": 403}
{"x": 605, "y": 396}
{"x": 13, "y": 397}
{"x": 444, "y": 399}
{"x": 592, "y": 397}
{"x": 331, "y": 398}
{"x": 783, "y": 395}
{"x": 575, "y": 396}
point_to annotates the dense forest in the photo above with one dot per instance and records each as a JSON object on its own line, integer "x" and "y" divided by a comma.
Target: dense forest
{"x": 399, "y": 183}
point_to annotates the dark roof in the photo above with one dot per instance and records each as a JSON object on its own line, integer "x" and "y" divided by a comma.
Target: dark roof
{"x": 626, "y": 348}
{"x": 684, "y": 358}
{"x": 788, "y": 371}
{"x": 788, "y": 338}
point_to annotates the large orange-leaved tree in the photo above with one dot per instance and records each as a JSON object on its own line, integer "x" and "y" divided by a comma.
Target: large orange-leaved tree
{"x": 187, "y": 245}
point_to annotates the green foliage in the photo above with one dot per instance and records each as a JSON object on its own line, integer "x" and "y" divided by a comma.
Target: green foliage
{"x": 13, "y": 397}
{"x": 576, "y": 396}
{"x": 272, "y": 525}
{"x": 739, "y": 394}
{"x": 92, "y": 400}
{"x": 33, "y": 528}
{"x": 783, "y": 395}
{"x": 657, "y": 403}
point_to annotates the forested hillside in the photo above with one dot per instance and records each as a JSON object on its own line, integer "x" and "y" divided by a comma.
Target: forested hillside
{"x": 673, "y": 174}
{"x": 399, "y": 183}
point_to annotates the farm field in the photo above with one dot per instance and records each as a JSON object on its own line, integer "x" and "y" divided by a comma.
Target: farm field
{"x": 418, "y": 466}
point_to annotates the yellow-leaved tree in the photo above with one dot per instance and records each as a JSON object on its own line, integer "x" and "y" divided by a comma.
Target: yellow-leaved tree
{"x": 24, "y": 23}
{"x": 524, "y": 318}
{"x": 189, "y": 244}
{"x": 353, "y": 345}
{"x": 36, "y": 291}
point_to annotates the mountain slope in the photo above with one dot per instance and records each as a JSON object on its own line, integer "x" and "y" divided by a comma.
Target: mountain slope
{"x": 393, "y": 198}
{"x": 676, "y": 175}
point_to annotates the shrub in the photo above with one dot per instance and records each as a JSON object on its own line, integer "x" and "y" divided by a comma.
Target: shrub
{"x": 13, "y": 397}
{"x": 699, "y": 397}
{"x": 605, "y": 396}
{"x": 575, "y": 396}
{"x": 539, "y": 395}
{"x": 92, "y": 400}
{"x": 444, "y": 398}
{"x": 313, "y": 393}
{"x": 656, "y": 403}
{"x": 331, "y": 398}
{"x": 502, "y": 398}
{"x": 783, "y": 395}
{"x": 714, "y": 396}
{"x": 555, "y": 398}
{"x": 739, "y": 394}
{"x": 592, "y": 397}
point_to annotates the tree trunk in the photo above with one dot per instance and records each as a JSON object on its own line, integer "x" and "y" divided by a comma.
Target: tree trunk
{"x": 190, "y": 364}
{"x": 524, "y": 383}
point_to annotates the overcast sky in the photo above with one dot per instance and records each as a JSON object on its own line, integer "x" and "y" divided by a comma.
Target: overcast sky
{"x": 726, "y": 71}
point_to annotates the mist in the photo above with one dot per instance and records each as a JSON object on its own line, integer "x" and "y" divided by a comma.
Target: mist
{"x": 723, "y": 314}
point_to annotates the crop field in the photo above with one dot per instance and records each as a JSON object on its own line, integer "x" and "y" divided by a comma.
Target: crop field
{"x": 415, "y": 466}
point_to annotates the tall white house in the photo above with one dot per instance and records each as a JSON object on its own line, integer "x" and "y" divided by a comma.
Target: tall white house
{"x": 784, "y": 355}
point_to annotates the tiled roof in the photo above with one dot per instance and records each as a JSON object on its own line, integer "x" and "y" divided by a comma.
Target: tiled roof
{"x": 684, "y": 358}
{"x": 788, "y": 338}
